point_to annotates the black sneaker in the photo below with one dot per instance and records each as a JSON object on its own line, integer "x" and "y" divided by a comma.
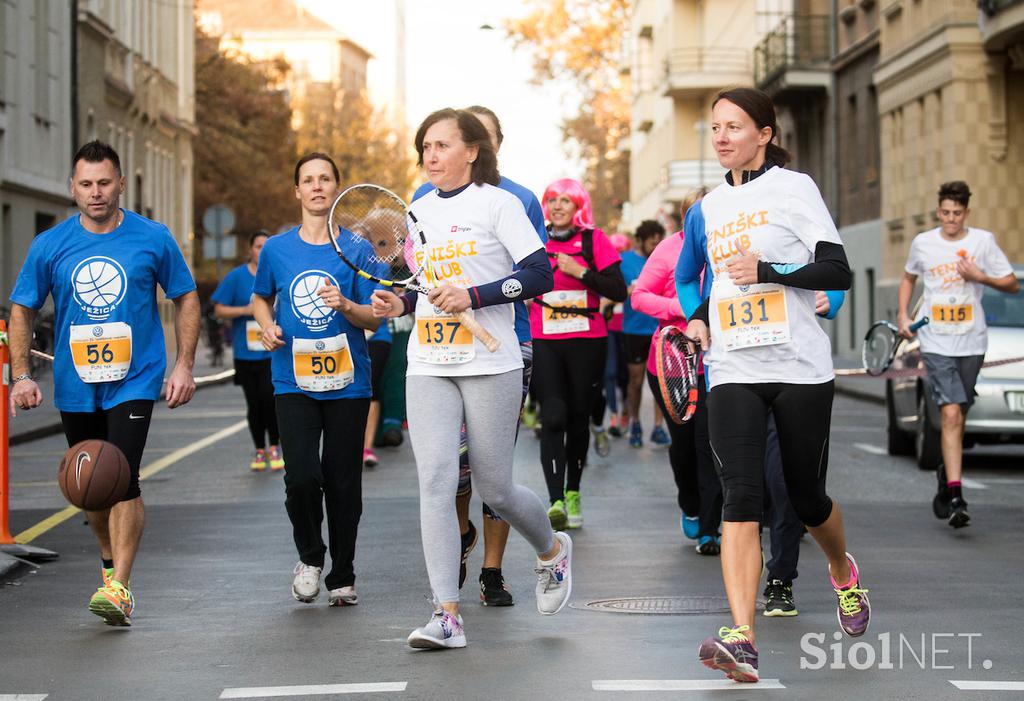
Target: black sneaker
{"x": 492, "y": 588}
{"x": 940, "y": 504}
{"x": 780, "y": 599}
{"x": 958, "y": 516}
{"x": 468, "y": 543}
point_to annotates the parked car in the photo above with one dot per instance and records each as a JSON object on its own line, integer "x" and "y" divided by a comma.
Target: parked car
{"x": 998, "y": 412}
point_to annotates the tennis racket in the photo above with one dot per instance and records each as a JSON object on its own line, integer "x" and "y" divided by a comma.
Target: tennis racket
{"x": 880, "y": 344}
{"x": 676, "y": 360}
{"x": 370, "y": 213}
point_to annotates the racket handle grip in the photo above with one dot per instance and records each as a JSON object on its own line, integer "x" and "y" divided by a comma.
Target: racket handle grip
{"x": 919, "y": 323}
{"x": 483, "y": 335}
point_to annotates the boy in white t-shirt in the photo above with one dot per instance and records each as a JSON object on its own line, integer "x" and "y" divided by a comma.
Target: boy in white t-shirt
{"x": 955, "y": 262}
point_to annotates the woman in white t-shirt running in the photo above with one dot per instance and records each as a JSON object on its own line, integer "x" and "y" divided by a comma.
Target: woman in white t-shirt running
{"x": 475, "y": 234}
{"x": 771, "y": 243}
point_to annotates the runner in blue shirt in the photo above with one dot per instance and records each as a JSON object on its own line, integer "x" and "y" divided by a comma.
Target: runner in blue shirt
{"x": 233, "y": 300}
{"x": 312, "y": 311}
{"x": 102, "y": 267}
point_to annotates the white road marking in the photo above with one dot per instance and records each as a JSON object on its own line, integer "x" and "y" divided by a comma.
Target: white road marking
{"x": 212, "y": 414}
{"x": 987, "y": 686}
{"x": 683, "y": 685}
{"x": 1003, "y": 480}
{"x": 972, "y": 484}
{"x": 23, "y": 697}
{"x": 266, "y": 692}
{"x": 873, "y": 449}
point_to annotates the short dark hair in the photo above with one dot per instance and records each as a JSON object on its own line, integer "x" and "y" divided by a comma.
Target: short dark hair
{"x": 480, "y": 109}
{"x": 256, "y": 234}
{"x": 761, "y": 109}
{"x": 474, "y": 133}
{"x": 649, "y": 228}
{"x": 957, "y": 191}
{"x": 96, "y": 152}
{"x": 316, "y": 156}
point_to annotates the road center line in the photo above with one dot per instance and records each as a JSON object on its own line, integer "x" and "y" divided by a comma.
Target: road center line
{"x": 264, "y": 692}
{"x": 153, "y": 468}
{"x": 964, "y": 685}
{"x": 682, "y": 685}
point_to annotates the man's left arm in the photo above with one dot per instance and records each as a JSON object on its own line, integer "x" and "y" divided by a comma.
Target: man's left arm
{"x": 181, "y": 385}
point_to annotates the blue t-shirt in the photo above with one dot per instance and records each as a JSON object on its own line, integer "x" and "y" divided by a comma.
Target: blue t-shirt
{"x": 536, "y": 215}
{"x": 293, "y": 270}
{"x": 235, "y": 290}
{"x": 634, "y": 322}
{"x": 104, "y": 292}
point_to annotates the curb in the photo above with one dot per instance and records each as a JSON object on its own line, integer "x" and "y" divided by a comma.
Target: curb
{"x": 11, "y": 567}
{"x": 863, "y": 395}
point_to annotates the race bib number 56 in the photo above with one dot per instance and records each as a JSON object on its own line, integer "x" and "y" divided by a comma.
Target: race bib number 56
{"x": 101, "y": 352}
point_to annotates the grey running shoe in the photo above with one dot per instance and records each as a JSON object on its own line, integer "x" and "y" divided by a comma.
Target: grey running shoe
{"x": 306, "y": 585}
{"x": 344, "y": 596}
{"x": 554, "y": 579}
{"x": 443, "y": 630}
{"x": 602, "y": 444}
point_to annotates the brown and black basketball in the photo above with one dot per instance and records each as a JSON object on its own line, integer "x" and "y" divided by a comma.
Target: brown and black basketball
{"x": 93, "y": 475}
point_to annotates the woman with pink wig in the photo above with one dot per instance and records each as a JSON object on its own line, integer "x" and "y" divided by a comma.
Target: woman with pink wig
{"x": 570, "y": 341}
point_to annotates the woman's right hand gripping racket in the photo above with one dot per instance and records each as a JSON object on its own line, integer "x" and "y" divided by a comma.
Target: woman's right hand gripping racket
{"x": 676, "y": 359}
{"x": 880, "y": 345}
{"x": 376, "y": 237}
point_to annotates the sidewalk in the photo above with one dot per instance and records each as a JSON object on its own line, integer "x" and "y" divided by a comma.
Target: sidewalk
{"x": 45, "y": 420}
{"x": 865, "y": 387}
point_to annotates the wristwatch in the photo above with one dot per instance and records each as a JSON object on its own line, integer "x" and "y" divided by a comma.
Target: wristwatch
{"x": 19, "y": 378}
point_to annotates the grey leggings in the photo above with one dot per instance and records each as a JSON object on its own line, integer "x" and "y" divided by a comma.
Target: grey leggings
{"x": 490, "y": 403}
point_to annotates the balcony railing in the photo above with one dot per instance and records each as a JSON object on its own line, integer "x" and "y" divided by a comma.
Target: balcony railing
{"x": 701, "y": 68}
{"x": 796, "y": 43}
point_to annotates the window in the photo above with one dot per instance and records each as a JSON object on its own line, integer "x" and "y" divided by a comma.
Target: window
{"x": 44, "y": 221}
{"x": 870, "y": 274}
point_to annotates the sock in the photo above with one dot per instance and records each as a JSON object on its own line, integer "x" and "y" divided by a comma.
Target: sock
{"x": 955, "y": 491}
{"x": 108, "y": 564}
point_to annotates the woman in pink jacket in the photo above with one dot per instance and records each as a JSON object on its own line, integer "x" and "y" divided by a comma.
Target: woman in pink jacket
{"x": 700, "y": 491}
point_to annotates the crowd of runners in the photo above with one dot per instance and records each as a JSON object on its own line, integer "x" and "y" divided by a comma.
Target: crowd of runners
{"x": 746, "y": 269}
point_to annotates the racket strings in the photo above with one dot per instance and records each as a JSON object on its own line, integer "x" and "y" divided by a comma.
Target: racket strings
{"x": 365, "y": 213}
{"x": 878, "y": 347}
{"x": 677, "y": 375}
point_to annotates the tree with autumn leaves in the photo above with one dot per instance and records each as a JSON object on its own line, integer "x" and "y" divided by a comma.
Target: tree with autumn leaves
{"x": 579, "y": 42}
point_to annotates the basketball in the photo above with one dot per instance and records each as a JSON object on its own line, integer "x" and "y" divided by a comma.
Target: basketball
{"x": 93, "y": 475}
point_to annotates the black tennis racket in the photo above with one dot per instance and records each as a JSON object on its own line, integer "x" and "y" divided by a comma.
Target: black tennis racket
{"x": 880, "y": 345}
{"x": 370, "y": 213}
{"x": 676, "y": 359}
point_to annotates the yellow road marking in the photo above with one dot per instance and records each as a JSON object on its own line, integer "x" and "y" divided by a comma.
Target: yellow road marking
{"x": 153, "y": 468}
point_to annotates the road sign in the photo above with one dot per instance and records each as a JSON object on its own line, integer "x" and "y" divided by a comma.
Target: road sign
{"x": 218, "y": 222}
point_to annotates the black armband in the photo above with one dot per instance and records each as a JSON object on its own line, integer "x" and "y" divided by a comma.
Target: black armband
{"x": 533, "y": 278}
{"x": 829, "y": 271}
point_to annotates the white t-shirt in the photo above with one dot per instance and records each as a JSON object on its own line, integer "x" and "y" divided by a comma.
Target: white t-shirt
{"x": 957, "y": 322}
{"x": 473, "y": 238}
{"x": 766, "y": 332}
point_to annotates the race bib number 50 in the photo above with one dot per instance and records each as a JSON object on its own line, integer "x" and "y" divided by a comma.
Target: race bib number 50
{"x": 754, "y": 319}
{"x": 101, "y": 352}
{"x": 322, "y": 364}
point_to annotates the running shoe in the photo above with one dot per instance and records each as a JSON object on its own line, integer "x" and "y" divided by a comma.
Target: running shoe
{"x": 731, "y": 652}
{"x": 306, "y": 585}
{"x": 557, "y": 515}
{"x": 343, "y": 596}
{"x": 940, "y": 503}
{"x": 572, "y": 508}
{"x": 276, "y": 458}
{"x": 493, "y": 591}
{"x": 614, "y": 429}
{"x": 690, "y": 526}
{"x": 709, "y": 545}
{"x": 554, "y": 578}
{"x": 854, "y": 610}
{"x": 636, "y": 435}
{"x": 107, "y": 575}
{"x": 259, "y": 461}
{"x": 370, "y": 458}
{"x": 780, "y": 599}
{"x": 443, "y": 630}
{"x": 469, "y": 539}
{"x": 530, "y": 415}
{"x": 602, "y": 444}
{"x": 958, "y": 516}
{"x": 114, "y": 603}
{"x": 660, "y": 437}
{"x": 391, "y": 437}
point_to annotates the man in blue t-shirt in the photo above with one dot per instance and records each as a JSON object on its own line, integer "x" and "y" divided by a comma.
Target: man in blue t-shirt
{"x": 102, "y": 268}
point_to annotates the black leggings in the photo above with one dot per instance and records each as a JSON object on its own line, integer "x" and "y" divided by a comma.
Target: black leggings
{"x": 254, "y": 378}
{"x": 566, "y": 375}
{"x": 737, "y": 421}
{"x": 125, "y": 425}
{"x": 334, "y": 476}
{"x": 699, "y": 488}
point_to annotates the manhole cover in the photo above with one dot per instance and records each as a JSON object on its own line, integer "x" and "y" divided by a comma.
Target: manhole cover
{"x": 675, "y": 605}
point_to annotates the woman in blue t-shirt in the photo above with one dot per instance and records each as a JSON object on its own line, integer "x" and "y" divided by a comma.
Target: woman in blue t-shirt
{"x": 233, "y": 300}
{"x": 312, "y": 311}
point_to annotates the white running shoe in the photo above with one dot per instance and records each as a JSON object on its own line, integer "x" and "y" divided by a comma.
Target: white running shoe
{"x": 345, "y": 596}
{"x": 443, "y": 630}
{"x": 554, "y": 579}
{"x": 306, "y": 585}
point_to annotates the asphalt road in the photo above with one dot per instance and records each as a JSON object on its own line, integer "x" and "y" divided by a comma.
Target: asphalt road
{"x": 215, "y": 618}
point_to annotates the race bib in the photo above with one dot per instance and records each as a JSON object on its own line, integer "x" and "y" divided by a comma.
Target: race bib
{"x": 557, "y": 321}
{"x": 952, "y": 315}
{"x": 101, "y": 352}
{"x": 322, "y": 364}
{"x": 443, "y": 340}
{"x": 754, "y": 319}
{"x": 253, "y": 336}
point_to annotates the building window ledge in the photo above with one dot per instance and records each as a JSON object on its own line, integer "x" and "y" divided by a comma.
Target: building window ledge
{"x": 893, "y": 10}
{"x": 866, "y": 5}
{"x": 848, "y": 14}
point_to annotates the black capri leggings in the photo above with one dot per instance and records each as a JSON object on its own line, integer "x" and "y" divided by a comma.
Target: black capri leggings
{"x": 254, "y": 378}
{"x": 737, "y": 422}
{"x": 566, "y": 375}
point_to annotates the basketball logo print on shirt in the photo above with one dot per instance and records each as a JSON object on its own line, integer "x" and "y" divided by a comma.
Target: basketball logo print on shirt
{"x": 99, "y": 285}
{"x": 306, "y": 303}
